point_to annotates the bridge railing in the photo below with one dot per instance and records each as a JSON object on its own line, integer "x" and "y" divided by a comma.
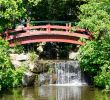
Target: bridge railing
{"x": 50, "y": 22}
{"x": 29, "y": 27}
{"x": 47, "y": 28}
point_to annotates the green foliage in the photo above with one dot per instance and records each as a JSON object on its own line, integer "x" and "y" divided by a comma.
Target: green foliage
{"x": 32, "y": 57}
{"x": 50, "y": 70}
{"x": 14, "y": 11}
{"x": 54, "y": 9}
{"x": 95, "y": 55}
{"x": 9, "y": 77}
{"x": 102, "y": 80}
{"x": 5, "y": 65}
{"x": 17, "y": 76}
{"x": 10, "y": 12}
{"x": 17, "y": 49}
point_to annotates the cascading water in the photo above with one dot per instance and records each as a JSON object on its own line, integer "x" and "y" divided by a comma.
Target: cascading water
{"x": 68, "y": 73}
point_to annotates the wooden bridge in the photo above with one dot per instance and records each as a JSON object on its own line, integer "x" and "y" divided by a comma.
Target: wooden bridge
{"x": 46, "y": 33}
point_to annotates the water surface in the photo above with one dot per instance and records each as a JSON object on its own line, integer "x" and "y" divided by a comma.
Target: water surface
{"x": 55, "y": 93}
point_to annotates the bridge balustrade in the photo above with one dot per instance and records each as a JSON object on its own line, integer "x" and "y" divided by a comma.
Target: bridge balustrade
{"x": 52, "y": 31}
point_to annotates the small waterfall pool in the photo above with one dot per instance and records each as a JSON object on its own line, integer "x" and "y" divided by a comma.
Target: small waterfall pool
{"x": 69, "y": 86}
{"x": 55, "y": 93}
{"x": 68, "y": 73}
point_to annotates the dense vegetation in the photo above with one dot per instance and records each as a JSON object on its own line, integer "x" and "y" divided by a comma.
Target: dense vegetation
{"x": 14, "y": 11}
{"x": 94, "y": 15}
{"x": 9, "y": 77}
{"x": 95, "y": 56}
{"x": 17, "y": 11}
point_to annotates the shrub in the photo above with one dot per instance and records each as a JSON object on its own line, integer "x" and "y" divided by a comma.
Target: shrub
{"x": 6, "y": 67}
{"x": 94, "y": 57}
{"x": 17, "y": 76}
{"x": 9, "y": 77}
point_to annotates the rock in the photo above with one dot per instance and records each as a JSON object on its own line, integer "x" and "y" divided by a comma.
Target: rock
{"x": 22, "y": 57}
{"x": 43, "y": 79}
{"x": 16, "y": 63}
{"x": 17, "y": 59}
{"x": 28, "y": 78}
{"x": 40, "y": 49}
{"x": 53, "y": 78}
{"x": 38, "y": 67}
{"x": 72, "y": 55}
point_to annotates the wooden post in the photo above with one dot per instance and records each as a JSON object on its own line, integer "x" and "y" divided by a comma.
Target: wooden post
{"x": 69, "y": 27}
{"x": 28, "y": 28}
{"x": 6, "y": 34}
{"x": 48, "y": 28}
{"x": 66, "y": 27}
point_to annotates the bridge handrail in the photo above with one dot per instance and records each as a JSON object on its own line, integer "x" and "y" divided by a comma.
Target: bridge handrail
{"x": 49, "y": 22}
{"x": 48, "y": 27}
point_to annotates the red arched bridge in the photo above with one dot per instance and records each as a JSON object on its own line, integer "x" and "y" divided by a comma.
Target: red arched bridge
{"x": 46, "y": 33}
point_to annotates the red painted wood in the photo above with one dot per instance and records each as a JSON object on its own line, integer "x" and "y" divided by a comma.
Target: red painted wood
{"x": 33, "y": 39}
{"x": 47, "y": 33}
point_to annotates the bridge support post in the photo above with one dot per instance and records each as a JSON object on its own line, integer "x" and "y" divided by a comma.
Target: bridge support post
{"x": 69, "y": 27}
{"x": 28, "y": 27}
{"x": 48, "y": 28}
{"x": 66, "y": 27}
{"x": 7, "y": 34}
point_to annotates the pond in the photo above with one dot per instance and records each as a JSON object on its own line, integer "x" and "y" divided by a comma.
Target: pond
{"x": 55, "y": 93}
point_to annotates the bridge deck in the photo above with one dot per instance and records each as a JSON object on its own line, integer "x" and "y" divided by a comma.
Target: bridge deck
{"x": 34, "y": 32}
{"x": 46, "y": 33}
{"x": 45, "y": 38}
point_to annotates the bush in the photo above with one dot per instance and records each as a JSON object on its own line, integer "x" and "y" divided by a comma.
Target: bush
{"x": 32, "y": 57}
{"x": 6, "y": 67}
{"x": 94, "y": 57}
{"x": 17, "y": 76}
{"x": 9, "y": 77}
{"x": 102, "y": 80}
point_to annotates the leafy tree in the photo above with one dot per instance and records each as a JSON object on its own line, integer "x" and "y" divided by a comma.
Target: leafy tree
{"x": 56, "y": 9}
{"x": 40, "y": 11}
{"x": 10, "y": 12}
{"x": 95, "y": 55}
{"x": 53, "y": 9}
{"x": 71, "y": 9}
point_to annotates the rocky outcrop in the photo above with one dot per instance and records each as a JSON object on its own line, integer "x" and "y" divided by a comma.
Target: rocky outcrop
{"x": 28, "y": 78}
{"x": 39, "y": 67}
{"x": 43, "y": 78}
{"x": 35, "y": 68}
{"x": 72, "y": 55}
{"x": 17, "y": 59}
{"x": 53, "y": 78}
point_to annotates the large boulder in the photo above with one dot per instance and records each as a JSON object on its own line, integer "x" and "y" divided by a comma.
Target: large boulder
{"x": 18, "y": 59}
{"x": 73, "y": 55}
{"x": 53, "y": 78}
{"x": 28, "y": 78}
{"x": 39, "y": 67}
{"x": 43, "y": 78}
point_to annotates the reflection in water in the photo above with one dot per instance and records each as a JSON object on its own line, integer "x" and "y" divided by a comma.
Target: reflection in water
{"x": 55, "y": 93}
{"x": 68, "y": 93}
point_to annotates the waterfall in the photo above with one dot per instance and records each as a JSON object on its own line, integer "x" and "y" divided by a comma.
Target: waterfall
{"x": 68, "y": 73}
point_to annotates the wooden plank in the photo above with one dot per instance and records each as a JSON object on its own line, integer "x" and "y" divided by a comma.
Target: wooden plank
{"x": 33, "y": 39}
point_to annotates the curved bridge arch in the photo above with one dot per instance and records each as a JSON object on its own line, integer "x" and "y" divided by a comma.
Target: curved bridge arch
{"x": 46, "y": 33}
